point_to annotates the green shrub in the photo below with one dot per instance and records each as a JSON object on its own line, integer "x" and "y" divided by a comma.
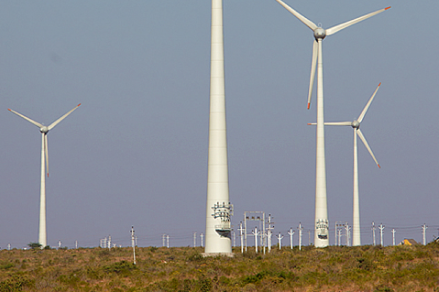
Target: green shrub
{"x": 195, "y": 257}
{"x": 122, "y": 267}
{"x": 34, "y": 245}
{"x": 6, "y": 266}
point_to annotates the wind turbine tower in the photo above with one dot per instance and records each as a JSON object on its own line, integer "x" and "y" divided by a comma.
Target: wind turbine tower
{"x": 321, "y": 234}
{"x": 218, "y": 207}
{"x": 42, "y": 237}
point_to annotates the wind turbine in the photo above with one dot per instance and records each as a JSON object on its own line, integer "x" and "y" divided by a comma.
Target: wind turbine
{"x": 218, "y": 207}
{"x": 356, "y": 239}
{"x": 42, "y": 237}
{"x": 321, "y": 233}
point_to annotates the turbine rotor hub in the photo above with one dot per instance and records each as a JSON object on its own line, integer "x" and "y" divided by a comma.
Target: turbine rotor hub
{"x": 44, "y": 130}
{"x": 319, "y": 33}
{"x": 356, "y": 124}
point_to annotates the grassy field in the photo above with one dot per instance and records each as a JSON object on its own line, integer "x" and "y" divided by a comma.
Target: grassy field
{"x": 365, "y": 268}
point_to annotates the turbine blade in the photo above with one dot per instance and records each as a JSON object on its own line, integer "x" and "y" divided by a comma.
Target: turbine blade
{"x": 333, "y": 124}
{"x": 360, "y": 134}
{"x": 26, "y": 118}
{"x": 363, "y": 113}
{"x": 302, "y": 18}
{"x": 46, "y": 153}
{"x": 62, "y": 118}
{"x": 338, "y": 123}
{"x": 315, "y": 53}
{"x": 339, "y": 27}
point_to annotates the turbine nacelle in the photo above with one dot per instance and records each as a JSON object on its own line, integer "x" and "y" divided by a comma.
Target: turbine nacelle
{"x": 355, "y": 124}
{"x": 319, "y": 33}
{"x": 44, "y": 130}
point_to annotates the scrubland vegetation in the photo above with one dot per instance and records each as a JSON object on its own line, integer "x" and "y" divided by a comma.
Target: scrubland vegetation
{"x": 365, "y": 268}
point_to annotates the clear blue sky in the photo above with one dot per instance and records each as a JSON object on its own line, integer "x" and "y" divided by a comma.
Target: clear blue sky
{"x": 135, "y": 152}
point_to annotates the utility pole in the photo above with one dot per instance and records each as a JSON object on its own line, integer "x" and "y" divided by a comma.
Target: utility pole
{"x": 202, "y": 236}
{"x": 309, "y": 237}
{"x": 381, "y": 227}
{"x": 338, "y": 225}
{"x": 109, "y": 242}
{"x": 269, "y": 235}
{"x": 242, "y": 238}
{"x": 255, "y": 233}
{"x": 269, "y": 229}
{"x": 234, "y": 238}
{"x": 132, "y": 243}
{"x": 279, "y": 237}
{"x": 393, "y": 235}
{"x": 167, "y": 241}
{"x": 195, "y": 239}
{"x": 163, "y": 239}
{"x": 339, "y": 236}
{"x": 347, "y": 233}
{"x": 424, "y": 228}
{"x": 300, "y": 235}
{"x": 291, "y": 233}
{"x": 373, "y": 232}
{"x": 76, "y": 244}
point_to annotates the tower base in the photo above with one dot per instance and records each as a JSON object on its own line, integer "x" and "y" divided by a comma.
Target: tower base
{"x": 218, "y": 254}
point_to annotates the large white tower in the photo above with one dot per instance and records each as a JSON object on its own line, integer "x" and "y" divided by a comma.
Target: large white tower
{"x": 218, "y": 207}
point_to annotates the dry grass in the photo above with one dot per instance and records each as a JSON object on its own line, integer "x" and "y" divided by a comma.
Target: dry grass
{"x": 363, "y": 268}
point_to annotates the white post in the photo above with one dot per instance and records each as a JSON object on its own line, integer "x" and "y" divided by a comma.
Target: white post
{"x": 424, "y": 228}
{"x": 202, "y": 241}
{"x": 76, "y": 244}
{"x": 167, "y": 241}
{"x": 393, "y": 235}
{"x": 245, "y": 233}
{"x": 9, "y": 246}
{"x": 381, "y": 227}
{"x": 59, "y": 244}
{"x": 335, "y": 232}
{"x": 163, "y": 239}
{"x": 195, "y": 239}
{"x": 234, "y": 238}
{"x": 132, "y": 243}
{"x": 242, "y": 238}
{"x": 269, "y": 235}
{"x": 109, "y": 242}
{"x": 300, "y": 235}
{"x": 291, "y": 233}
{"x": 347, "y": 233}
{"x": 279, "y": 237}
{"x": 373, "y": 232}
{"x": 255, "y": 233}
{"x": 339, "y": 236}
{"x": 264, "y": 238}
